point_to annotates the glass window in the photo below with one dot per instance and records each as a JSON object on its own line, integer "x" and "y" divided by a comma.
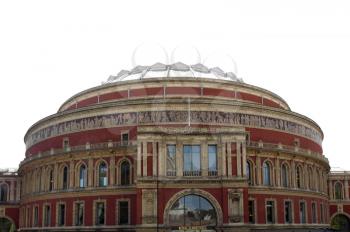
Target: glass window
{"x": 65, "y": 178}
{"x": 82, "y": 176}
{"x": 321, "y": 213}
{"x": 298, "y": 177}
{"x": 310, "y": 179}
{"x": 192, "y": 160}
{"x": 251, "y": 210}
{"x": 125, "y": 139}
{"x": 47, "y": 215}
{"x": 192, "y": 210}
{"x": 36, "y": 216}
{"x": 51, "y": 180}
{"x": 61, "y": 214}
{"x": 125, "y": 173}
{"x": 3, "y": 192}
{"x": 79, "y": 214}
{"x": 270, "y": 212}
{"x": 338, "y": 188}
{"x": 313, "y": 212}
{"x": 212, "y": 160}
{"x": 102, "y": 175}
{"x": 171, "y": 160}
{"x": 288, "y": 212}
{"x": 100, "y": 213}
{"x": 284, "y": 175}
{"x": 266, "y": 174}
{"x": 249, "y": 173}
{"x": 302, "y": 213}
{"x": 123, "y": 213}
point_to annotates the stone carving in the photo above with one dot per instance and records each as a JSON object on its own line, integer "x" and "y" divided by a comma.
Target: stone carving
{"x": 149, "y": 206}
{"x": 159, "y": 117}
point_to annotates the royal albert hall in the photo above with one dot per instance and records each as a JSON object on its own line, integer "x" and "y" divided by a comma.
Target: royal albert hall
{"x": 173, "y": 148}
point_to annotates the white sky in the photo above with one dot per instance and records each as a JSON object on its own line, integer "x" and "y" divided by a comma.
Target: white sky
{"x": 50, "y": 50}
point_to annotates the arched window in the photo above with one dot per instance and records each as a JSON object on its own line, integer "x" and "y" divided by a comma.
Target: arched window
{"x": 284, "y": 175}
{"x": 3, "y": 192}
{"x": 102, "y": 175}
{"x": 298, "y": 176}
{"x": 50, "y": 180}
{"x": 82, "y": 176}
{"x": 267, "y": 174}
{"x": 65, "y": 178}
{"x": 338, "y": 191}
{"x": 125, "y": 173}
{"x": 192, "y": 210}
{"x": 250, "y": 173}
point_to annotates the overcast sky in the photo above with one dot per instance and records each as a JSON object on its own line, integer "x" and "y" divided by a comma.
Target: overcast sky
{"x": 298, "y": 49}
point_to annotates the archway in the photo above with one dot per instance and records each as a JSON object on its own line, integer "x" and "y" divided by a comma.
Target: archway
{"x": 192, "y": 210}
{"x": 341, "y": 223}
{"x": 6, "y": 225}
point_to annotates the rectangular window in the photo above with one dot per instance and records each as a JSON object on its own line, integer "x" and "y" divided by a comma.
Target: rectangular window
{"x": 212, "y": 160}
{"x": 302, "y": 213}
{"x": 270, "y": 212}
{"x": 288, "y": 212}
{"x": 61, "y": 214}
{"x": 47, "y": 215}
{"x": 251, "y": 210}
{"x": 192, "y": 160}
{"x": 171, "y": 160}
{"x": 125, "y": 139}
{"x": 100, "y": 213}
{"x": 79, "y": 214}
{"x": 123, "y": 213}
{"x": 313, "y": 212}
{"x": 36, "y": 216}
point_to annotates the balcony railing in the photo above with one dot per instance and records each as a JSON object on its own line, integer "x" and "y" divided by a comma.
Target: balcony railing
{"x": 86, "y": 147}
{"x": 282, "y": 147}
{"x": 192, "y": 173}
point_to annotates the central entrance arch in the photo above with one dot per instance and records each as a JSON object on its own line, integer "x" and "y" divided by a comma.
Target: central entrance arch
{"x": 6, "y": 225}
{"x": 192, "y": 210}
{"x": 341, "y": 223}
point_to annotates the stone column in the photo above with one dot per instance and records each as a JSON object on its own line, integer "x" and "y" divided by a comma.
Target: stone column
{"x": 161, "y": 159}
{"x": 154, "y": 158}
{"x": 222, "y": 151}
{"x": 204, "y": 159}
{"x": 71, "y": 174}
{"x": 12, "y": 190}
{"x": 112, "y": 171}
{"x": 278, "y": 172}
{"x": 144, "y": 158}
{"x": 55, "y": 176}
{"x": 179, "y": 159}
{"x": 229, "y": 160}
{"x": 258, "y": 169}
{"x": 139, "y": 158}
{"x": 346, "y": 181}
{"x": 90, "y": 172}
{"x": 331, "y": 195}
{"x": 18, "y": 189}
{"x": 244, "y": 159}
{"x": 239, "y": 160}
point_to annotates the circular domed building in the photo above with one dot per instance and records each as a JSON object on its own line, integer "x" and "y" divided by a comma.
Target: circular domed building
{"x": 174, "y": 148}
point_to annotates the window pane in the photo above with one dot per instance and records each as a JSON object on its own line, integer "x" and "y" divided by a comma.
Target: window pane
{"x": 288, "y": 212}
{"x": 266, "y": 174}
{"x": 100, "y": 214}
{"x": 65, "y": 178}
{"x": 212, "y": 159}
{"x": 125, "y": 173}
{"x": 79, "y": 214}
{"x": 251, "y": 211}
{"x": 192, "y": 160}
{"x": 302, "y": 213}
{"x": 82, "y": 176}
{"x": 103, "y": 175}
{"x": 270, "y": 211}
{"x": 171, "y": 160}
{"x": 61, "y": 214}
{"x": 123, "y": 212}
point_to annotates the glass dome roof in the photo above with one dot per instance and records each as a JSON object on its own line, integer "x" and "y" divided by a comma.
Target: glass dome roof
{"x": 159, "y": 70}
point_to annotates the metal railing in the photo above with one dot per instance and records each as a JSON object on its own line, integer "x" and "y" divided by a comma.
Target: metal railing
{"x": 86, "y": 147}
